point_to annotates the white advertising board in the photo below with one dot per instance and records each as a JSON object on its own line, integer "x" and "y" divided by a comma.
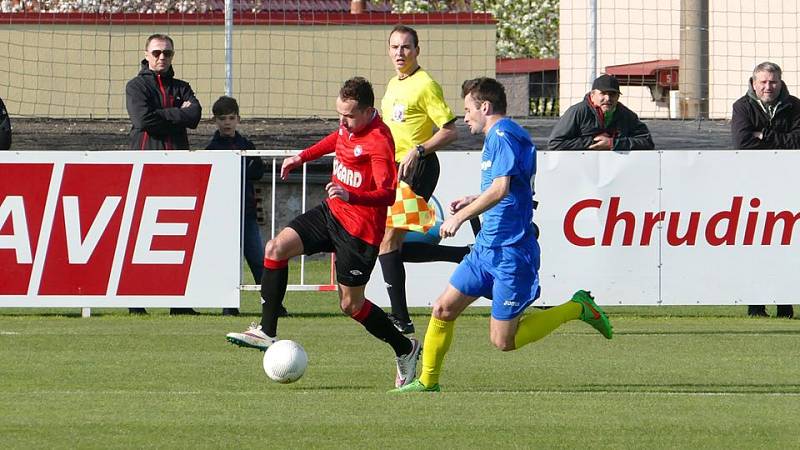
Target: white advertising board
{"x": 647, "y": 228}
{"x": 116, "y": 229}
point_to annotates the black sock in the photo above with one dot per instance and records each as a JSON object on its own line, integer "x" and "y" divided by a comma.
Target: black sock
{"x": 419, "y": 252}
{"x": 273, "y": 289}
{"x": 378, "y": 324}
{"x": 394, "y": 274}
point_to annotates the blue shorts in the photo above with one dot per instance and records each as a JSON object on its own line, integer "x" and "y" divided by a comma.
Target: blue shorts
{"x": 508, "y": 275}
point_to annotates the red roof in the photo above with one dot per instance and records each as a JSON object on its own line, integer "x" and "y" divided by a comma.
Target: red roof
{"x": 526, "y": 65}
{"x": 642, "y": 69}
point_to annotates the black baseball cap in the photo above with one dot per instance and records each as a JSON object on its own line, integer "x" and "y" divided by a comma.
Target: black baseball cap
{"x": 606, "y": 83}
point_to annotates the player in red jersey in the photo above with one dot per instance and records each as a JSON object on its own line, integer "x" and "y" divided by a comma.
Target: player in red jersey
{"x": 350, "y": 223}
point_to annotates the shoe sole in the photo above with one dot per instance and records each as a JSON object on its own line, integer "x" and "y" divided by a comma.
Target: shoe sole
{"x": 241, "y": 343}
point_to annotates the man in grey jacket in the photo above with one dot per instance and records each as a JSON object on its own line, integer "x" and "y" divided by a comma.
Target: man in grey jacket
{"x": 600, "y": 122}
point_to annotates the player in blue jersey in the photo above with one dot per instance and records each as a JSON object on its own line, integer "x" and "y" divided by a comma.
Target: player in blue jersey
{"x": 504, "y": 263}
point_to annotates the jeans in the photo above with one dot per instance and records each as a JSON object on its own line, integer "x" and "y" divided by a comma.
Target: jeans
{"x": 253, "y": 247}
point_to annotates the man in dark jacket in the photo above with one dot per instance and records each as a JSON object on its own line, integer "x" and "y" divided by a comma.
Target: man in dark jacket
{"x": 600, "y": 122}
{"x": 766, "y": 117}
{"x": 5, "y": 127}
{"x": 161, "y": 107}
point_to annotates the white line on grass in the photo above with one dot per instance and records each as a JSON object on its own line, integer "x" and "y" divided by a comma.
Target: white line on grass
{"x": 249, "y": 393}
{"x": 9, "y": 333}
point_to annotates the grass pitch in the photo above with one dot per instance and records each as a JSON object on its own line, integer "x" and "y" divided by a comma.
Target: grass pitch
{"x": 670, "y": 378}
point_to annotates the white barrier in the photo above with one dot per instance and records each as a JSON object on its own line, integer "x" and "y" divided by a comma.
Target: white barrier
{"x": 116, "y": 229}
{"x": 647, "y": 228}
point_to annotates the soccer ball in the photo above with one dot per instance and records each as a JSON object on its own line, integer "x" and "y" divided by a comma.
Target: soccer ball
{"x": 285, "y": 361}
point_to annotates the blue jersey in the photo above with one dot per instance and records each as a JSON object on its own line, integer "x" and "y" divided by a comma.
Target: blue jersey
{"x": 508, "y": 151}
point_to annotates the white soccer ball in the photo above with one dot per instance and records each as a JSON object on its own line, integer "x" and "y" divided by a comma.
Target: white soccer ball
{"x": 285, "y": 361}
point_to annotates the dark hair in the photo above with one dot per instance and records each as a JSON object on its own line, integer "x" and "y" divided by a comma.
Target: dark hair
{"x": 406, "y": 30}
{"x": 225, "y": 105}
{"x": 358, "y": 89}
{"x": 160, "y": 37}
{"x": 486, "y": 89}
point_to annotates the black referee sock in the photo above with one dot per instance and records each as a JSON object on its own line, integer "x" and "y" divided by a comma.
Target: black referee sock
{"x": 378, "y": 324}
{"x": 394, "y": 275}
{"x": 419, "y": 252}
{"x": 273, "y": 289}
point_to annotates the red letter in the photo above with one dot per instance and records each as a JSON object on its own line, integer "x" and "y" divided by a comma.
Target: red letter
{"x": 788, "y": 226}
{"x": 167, "y": 244}
{"x": 650, "y": 221}
{"x": 732, "y": 216}
{"x": 691, "y": 231}
{"x": 613, "y": 217}
{"x": 752, "y": 220}
{"x": 569, "y": 222}
{"x": 29, "y": 184}
{"x": 85, "y": 229}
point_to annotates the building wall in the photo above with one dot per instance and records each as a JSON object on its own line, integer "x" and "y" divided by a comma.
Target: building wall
{"x": 292, "y": 70}
{"x": 741, "y": 35}
{"x": 517, "y": 93}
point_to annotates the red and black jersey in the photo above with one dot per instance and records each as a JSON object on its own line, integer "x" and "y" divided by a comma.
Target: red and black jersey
{"x": 364, "y": 166}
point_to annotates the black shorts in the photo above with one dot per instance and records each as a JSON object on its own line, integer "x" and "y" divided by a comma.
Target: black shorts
{"x": 426, "y": 176}
{"x": 321, "y": 232}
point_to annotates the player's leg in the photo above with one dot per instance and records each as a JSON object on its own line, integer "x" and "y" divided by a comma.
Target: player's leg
{"x": 421, "y": 252}
{"x": 394, "y": 275}
{"x": 273, "y": 288}
{"x": 306, "y": 233}
{"x": 377, "y": 323}
{"x": 355, "y": 260}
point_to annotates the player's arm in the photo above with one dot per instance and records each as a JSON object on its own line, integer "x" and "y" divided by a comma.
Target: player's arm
{"x": 321, "y": 148}
{"x": 480, "y": 204}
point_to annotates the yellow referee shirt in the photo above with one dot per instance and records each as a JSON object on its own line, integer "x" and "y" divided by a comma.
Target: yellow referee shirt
{"x": 411, "y": 108}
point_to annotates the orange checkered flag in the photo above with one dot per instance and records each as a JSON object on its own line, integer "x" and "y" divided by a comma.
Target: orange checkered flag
{"x": 410, "y": 211}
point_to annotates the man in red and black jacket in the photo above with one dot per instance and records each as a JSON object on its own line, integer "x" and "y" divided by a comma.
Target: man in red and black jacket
{"x": 161, "y": 107}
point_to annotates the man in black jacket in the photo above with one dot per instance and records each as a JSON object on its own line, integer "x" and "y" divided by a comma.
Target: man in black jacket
{"x": 767, "y": 117}
{"x": 161, "y": 108}
{"x": 5, "y": 127}
{"x": 600, "y": 122}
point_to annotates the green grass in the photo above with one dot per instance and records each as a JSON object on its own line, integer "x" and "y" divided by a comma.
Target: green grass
{"x": 672, "y": 377}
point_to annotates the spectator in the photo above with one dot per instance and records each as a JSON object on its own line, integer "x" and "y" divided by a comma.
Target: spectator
{"x": 226, "y": 117}
{"x": 600, "y": 122}
{"x": 5, "y": 127}
{"x": 161, "y": 108}
{"x": 413, "y": 107}
{"x": 767, "y": 117}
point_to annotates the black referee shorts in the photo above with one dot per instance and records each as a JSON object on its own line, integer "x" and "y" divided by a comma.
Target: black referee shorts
{"x": 321, "y": 232}
{"x": 426, "y": 176}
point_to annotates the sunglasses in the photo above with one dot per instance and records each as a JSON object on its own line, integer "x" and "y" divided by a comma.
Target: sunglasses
{"x": 167, "y": 53}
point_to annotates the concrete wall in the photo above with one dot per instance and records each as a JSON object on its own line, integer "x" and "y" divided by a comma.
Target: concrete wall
{"x": 741, "y": 35}
{"x": 80, "y": 70}
{"x": 517, "y": 93}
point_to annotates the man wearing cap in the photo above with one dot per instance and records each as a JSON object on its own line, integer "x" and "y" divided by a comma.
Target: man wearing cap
{"x": 600, "y": 122}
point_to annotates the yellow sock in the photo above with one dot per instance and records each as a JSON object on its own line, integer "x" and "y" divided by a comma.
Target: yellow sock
{"x": 437, "y": 342}
{"x": 536, "y": 325}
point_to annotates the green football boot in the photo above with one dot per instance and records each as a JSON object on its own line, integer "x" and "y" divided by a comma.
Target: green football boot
{"x": 416, "y": 386}
{"x": 592, "y": 314}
